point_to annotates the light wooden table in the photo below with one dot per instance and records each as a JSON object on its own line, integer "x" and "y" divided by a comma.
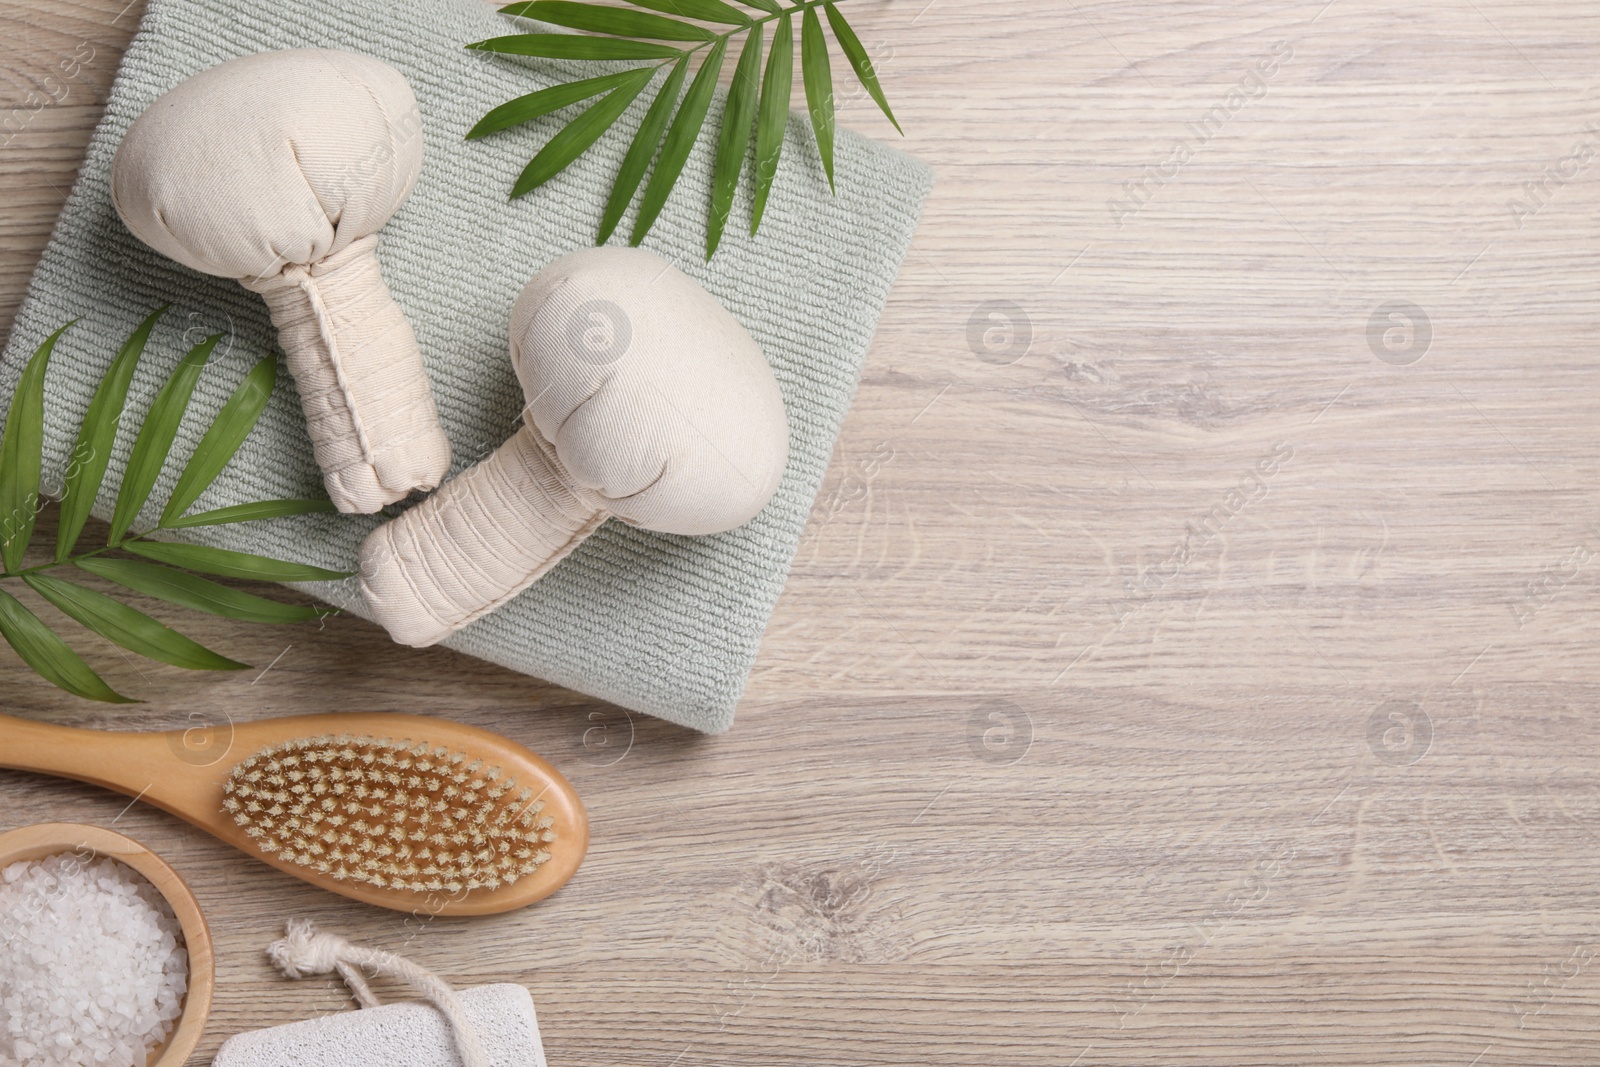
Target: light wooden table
{"x": 1191, "y": 662}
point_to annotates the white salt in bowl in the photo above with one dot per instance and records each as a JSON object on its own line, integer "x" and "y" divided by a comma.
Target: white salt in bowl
{"x": 50, "y": 839}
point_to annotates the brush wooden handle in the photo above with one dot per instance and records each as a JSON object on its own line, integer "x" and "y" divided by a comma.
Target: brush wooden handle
{"x": 183, "y": 772}
{"x": 112, "y": 760}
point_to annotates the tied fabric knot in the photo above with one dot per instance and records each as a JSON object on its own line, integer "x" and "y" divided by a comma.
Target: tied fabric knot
{"x": 303, "y": 278}
{"x": 305, "y": 952}
{"x": 365, "y": 393}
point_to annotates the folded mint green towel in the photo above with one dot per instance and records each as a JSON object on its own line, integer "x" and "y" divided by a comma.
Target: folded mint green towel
{"x": 664, "y": 625}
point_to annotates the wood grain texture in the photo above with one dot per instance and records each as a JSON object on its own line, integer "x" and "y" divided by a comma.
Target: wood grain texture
{"x": 1166, "y": 678}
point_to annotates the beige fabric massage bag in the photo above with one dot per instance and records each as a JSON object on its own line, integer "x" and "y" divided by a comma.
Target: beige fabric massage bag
{"x": 278, "y": 169}
{"x": 646, "y": 400}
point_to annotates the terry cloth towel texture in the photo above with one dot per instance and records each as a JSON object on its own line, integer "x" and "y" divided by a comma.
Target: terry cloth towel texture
{"x": 660, "y": 624}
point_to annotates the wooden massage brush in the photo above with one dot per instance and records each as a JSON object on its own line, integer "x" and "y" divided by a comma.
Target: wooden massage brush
{"x": 401, "y": 811}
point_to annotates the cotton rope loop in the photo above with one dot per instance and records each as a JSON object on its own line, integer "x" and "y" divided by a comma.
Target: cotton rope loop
{"x": 306, "y": 952}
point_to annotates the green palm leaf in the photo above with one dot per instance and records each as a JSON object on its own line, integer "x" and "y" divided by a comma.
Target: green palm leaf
{"x": 223, "y": 438}
{"x": 87, "y": 468}
{"x": 857, "y": 55}
{"x": 49, "y": 656}
{"x": 265, "y": 509}
{"x": 619, "y": 22}
{"x": 819, "y": 86}
{"x": 192, "y": 591}
{"x": 582, "y": 132}
{"x": 680, "y": 140}
{"x": 631, "y": 36}
{"x": 574, "y": 46}
{"x": 774, "y": 118}
{"x": 228, "y": 564}
{"x": 155, "y": 438}
{"x": 21, "y": 456}
{"x": 537, "y": 105}
{"x": 643, "y": 149}
{"x": 20, "y": 460}
{"x": 734, "y": 143}
{"x": 709, "y": 10}
{"x": 128, "y": 627}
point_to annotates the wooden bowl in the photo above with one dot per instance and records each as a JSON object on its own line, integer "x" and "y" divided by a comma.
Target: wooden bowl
{"x": 50, "y": 839}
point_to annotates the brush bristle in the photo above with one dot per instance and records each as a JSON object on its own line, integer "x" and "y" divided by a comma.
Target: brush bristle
{"x": 391, "y": 814}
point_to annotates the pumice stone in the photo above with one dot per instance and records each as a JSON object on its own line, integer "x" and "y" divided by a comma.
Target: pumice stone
{"x": 278, "y": 169}
{"x": 646, "y": 400}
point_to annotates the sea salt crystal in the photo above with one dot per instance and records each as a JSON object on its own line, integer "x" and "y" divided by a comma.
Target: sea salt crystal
{"x": 92, "y": 964}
